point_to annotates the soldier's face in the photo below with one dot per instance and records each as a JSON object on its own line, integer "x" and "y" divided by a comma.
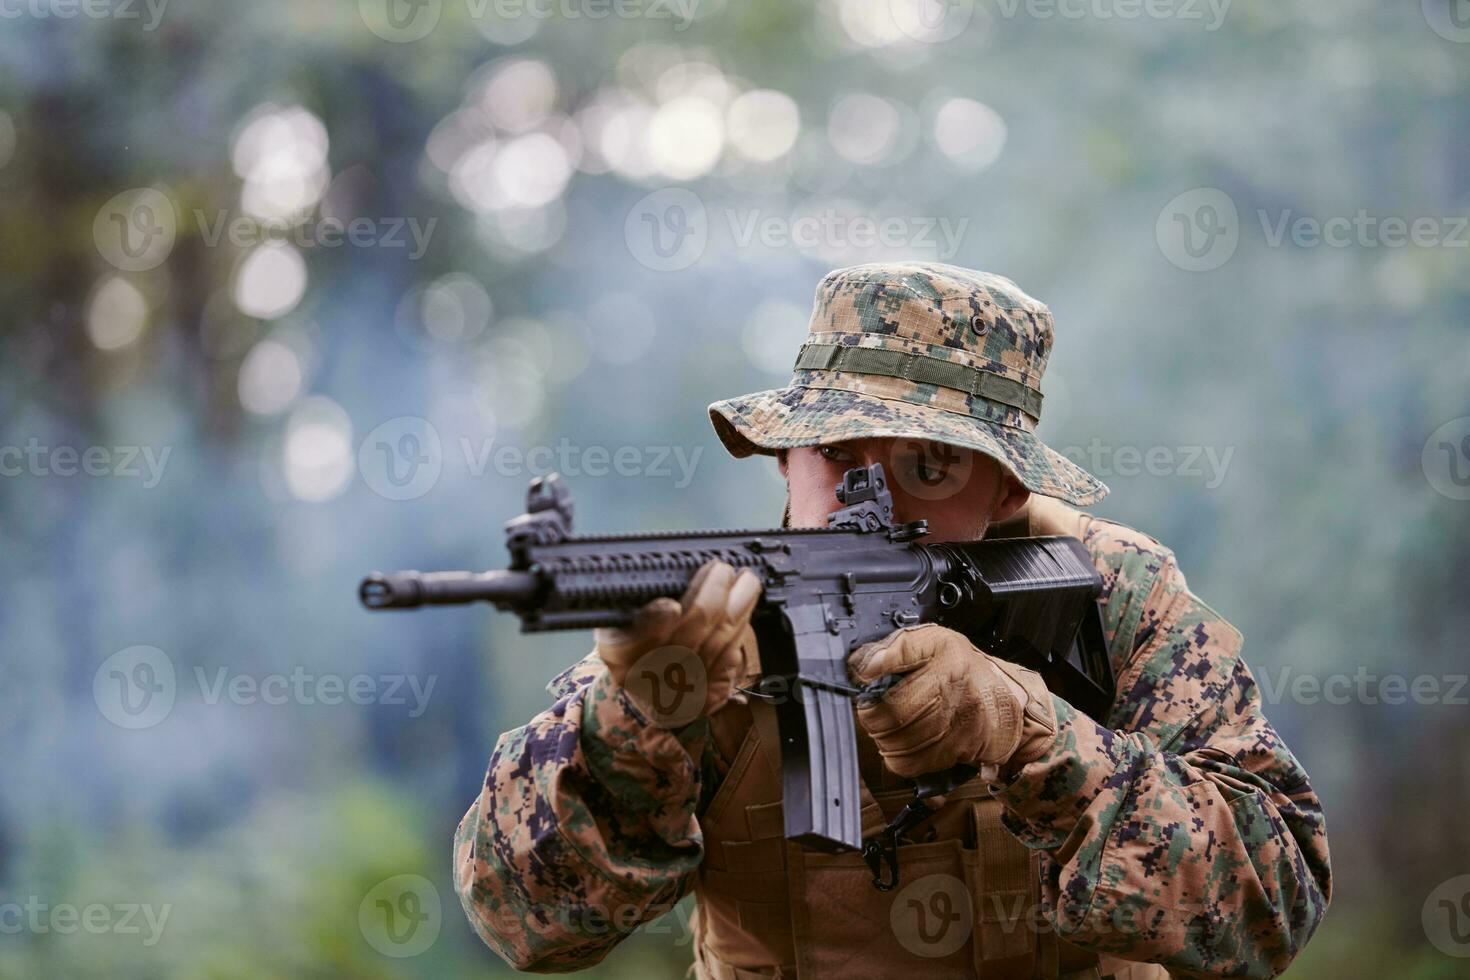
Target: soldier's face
{"x": 958, "y": 491}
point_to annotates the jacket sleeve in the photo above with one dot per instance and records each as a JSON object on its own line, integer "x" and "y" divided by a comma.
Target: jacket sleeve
{"x": 585, "y": 827}
{"x": 1184, "y": 832}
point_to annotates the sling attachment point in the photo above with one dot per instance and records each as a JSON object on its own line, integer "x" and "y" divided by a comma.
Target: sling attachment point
{"x": 883, "y": 849}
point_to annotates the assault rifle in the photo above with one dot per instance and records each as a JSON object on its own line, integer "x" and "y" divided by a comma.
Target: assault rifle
{"x": 826, "y": 591}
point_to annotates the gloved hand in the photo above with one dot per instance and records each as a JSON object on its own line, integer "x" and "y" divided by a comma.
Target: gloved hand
{"x": 955, "y": 705}
{"x": 681, "y": 660}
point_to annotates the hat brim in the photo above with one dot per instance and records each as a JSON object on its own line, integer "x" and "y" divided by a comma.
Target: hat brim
{"x": 787, "y": 418}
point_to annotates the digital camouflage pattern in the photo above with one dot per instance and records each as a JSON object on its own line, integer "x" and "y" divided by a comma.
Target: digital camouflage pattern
{"x": 586, "y": 826}
{"x": 1182, "y": 832}
{"x": 976, "y": 320}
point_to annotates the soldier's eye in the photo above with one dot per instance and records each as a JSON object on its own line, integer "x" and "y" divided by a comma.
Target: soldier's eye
{"x": 832, "y": 454}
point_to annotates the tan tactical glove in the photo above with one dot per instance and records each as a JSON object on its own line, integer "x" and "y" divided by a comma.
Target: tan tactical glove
{"x": 681, "y": 660}
{"x": 956, "y": 705}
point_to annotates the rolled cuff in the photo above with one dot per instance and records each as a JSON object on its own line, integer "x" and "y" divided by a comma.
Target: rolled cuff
{"x": 647, "y": 768}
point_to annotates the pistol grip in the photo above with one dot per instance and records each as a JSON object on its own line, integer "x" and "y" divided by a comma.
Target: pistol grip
{"x": 940, "y": 783}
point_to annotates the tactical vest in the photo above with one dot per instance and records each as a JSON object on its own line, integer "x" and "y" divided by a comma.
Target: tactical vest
{"x": 968, "y": 902}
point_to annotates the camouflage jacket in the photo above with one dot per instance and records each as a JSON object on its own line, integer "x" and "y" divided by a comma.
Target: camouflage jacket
{"x": 1184, "y": 832}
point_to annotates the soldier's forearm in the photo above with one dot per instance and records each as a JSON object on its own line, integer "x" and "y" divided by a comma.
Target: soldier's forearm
{"x": 585, "y": 829}
{"x": 1213, "y": 861}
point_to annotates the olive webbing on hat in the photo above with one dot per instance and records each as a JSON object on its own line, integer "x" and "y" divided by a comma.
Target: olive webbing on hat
{"x": 921, "y": 369}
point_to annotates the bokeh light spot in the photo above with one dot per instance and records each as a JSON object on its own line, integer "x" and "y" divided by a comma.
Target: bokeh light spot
{"x": 117, "y": 314}
{"x": 270, "y": 281}
{"x": 318, "y": 453}
{"x": 271, "y": 377}
{"x": 969, "y": 133}
{"x": 763, "y": 124}
{"x": 518, "y": 94}
{"x": 686, "y": 137}
{"x": 863, "y": 128}
{"x": 455, "y": 308}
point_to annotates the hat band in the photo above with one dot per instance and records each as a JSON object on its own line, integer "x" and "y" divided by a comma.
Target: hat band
{"x": 921, "y": 369}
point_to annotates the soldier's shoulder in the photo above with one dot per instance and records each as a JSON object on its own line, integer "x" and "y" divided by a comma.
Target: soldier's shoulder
{"x": 1140, "y": 579}
{"x": 1116, "y": 548}
{"x": 1141, "y": 582}
{"x": 1136, "y": 556}
{"x": 575, "y": 678}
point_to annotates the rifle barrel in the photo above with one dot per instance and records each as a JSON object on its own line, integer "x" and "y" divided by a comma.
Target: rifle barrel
{"x": 408, "y": 590}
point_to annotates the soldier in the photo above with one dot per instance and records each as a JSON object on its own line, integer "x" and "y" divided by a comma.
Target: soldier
{"x": 1179, "y": 833}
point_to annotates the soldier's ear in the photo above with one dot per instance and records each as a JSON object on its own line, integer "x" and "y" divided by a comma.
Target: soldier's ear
{"x": 1010, "y": 498}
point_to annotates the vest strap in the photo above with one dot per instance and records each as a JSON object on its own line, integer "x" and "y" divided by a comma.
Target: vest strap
{"x": 1005, "y": 894}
